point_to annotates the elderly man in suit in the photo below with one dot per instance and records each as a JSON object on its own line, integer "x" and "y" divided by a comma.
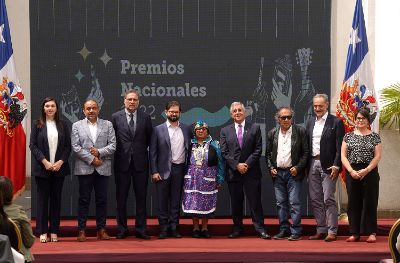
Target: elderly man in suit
{"x": 93, "y": 143}
{"x": 325, "y": 133}
{"x": 241, "y": 147}
{"x": 131, "y": 163}
{"x": 287, "y": 155}
{"x": 169, "y": 149}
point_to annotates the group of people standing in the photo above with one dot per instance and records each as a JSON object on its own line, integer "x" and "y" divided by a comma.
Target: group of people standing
{"x": 188, "y": 167}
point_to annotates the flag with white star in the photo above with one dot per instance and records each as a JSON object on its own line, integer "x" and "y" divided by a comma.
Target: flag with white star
{"x": 13, "y": 110}
{"x": 357, "y": 89}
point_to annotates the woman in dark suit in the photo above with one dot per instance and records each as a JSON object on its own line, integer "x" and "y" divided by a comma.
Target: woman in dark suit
{"x": 50, "y": 145}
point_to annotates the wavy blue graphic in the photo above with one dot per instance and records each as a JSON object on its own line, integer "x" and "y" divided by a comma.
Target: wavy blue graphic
{"x": 215, "y": 119}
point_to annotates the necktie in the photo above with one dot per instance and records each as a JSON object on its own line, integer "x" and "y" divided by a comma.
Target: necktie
{"x": 132, "y": 124}
{"x": 240, "y": 135}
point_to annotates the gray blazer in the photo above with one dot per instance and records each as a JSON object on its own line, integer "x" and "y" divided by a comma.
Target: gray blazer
{"x": 81, "y": 142}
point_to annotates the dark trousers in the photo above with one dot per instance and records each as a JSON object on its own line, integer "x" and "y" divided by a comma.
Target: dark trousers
{"x": 169, "y": 192}
{"x": 100, "y": 185}
{"x": 363, "y": 201}
{"x": 140, "y": 181}
{"x": 48, "y": 204}
{"x": 252, "y": 188}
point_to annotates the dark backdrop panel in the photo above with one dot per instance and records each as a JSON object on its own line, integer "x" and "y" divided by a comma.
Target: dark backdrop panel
{"x": 205, "y": 54}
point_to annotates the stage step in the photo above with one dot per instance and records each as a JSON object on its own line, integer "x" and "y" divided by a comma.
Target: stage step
{"x": 217, "y": 227}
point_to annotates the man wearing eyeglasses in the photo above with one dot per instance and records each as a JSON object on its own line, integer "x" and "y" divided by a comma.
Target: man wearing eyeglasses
{"x": 169, "y": 147}
{"x": 131, "y": 163}
{"x": 287, "y": 155}
{"x": 325, "y": 134}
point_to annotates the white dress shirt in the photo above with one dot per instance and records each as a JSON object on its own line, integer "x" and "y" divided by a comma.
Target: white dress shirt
{"x": 177, "y": 143}
{"x": 52, "y": 138}
{"x": 284, "y": 154}
{"x": 317, "y": 134}
{"x": 93, "y": 130}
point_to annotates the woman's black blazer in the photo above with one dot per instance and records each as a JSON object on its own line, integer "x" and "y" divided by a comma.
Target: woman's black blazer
{"x": 39, "y": 146}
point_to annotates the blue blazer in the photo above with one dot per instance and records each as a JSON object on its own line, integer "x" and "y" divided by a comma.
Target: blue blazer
{"x": 39, "y": 146}
{"x": 128, "y": 145}
{"x": 160, "y": 149}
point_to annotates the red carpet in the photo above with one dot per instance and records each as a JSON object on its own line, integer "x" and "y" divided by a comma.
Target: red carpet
{"x": 217, "y": 249}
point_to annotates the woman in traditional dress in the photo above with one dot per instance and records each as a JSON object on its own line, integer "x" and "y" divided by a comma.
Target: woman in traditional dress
{"x": 205, "y": 176}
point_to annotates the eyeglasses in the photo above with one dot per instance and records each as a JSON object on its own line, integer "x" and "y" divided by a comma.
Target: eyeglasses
{"x": 361, "y": 118}
{"x": 200, "y": 129}
{"x": 284, "y": 118}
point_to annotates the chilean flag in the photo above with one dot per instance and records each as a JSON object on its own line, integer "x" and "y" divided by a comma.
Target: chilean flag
{"x": 357, "y": 88}
{"x": 13, "y": 109}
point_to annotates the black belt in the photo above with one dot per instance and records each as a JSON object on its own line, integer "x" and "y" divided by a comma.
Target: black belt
{"x": 177, "y": 164}
{"x": 316, "y": 157}
{"x": 283, "y": 169}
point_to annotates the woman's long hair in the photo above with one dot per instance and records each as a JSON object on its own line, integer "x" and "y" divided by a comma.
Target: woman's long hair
{"x": 42, "y": 120}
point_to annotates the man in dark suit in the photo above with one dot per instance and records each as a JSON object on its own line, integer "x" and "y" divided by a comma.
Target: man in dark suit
{"x": 241, "y": 147}
{"x": 169, "y": 148}
{"x": 287, "y": 155}
{"x": 131, "y": 162}
{"x": 325, "y": 134}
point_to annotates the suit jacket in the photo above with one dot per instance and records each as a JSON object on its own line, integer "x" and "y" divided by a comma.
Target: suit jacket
{"x": 299, "y": 149}
{"x": 160, "y": 149}
{"x": 81, "y": 141}
{"x": 129, "y": 145}
{"x": 331, "y": 141}
{"x": 39, "y": 146}
{"x": 249, "y": 154}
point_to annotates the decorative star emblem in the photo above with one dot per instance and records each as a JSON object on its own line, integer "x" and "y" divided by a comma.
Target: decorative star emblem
{"x": 105, "y": 58}
{"x": 84, "y": 52}
{"x": 354, "y": 39}
{"x": 79, "y": 75}
{"x": 1, "y": 34}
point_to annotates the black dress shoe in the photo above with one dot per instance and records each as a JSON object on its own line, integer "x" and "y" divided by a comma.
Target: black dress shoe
{"x": 281, "y": 235}
{"x": 196, "y": 233}
{"x": 264, "y": 235}
{"x": 234, "y": 234}
{"x": 205, "y": 233}
{"x": 175, "y": 234}
{"x": 163, "y": 235}
{"x": 122, "y": 235}
{"x": 142, "y": 236}
{"x": 294, "y": 237}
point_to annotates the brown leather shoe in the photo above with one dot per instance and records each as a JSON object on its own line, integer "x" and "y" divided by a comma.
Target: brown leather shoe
{"x": 318, "y": 236}
{"x": 81, "y": 236}
{"x": 102, "y": 235}
{"x": 330, "y": 238}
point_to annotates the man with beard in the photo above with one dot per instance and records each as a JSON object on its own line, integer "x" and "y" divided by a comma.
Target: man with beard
{"x": 168, "y": 155}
